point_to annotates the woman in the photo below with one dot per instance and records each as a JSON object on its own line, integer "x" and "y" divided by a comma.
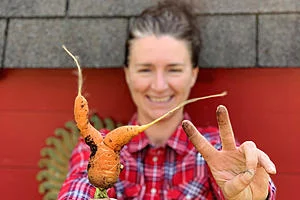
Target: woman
{"x": 162, "y": 163}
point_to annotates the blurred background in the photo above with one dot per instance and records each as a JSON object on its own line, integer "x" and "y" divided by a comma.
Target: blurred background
{"x": 251, "y": 49}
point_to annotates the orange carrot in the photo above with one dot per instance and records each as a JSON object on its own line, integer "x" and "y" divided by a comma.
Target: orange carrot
{"x": 104, "y": 165}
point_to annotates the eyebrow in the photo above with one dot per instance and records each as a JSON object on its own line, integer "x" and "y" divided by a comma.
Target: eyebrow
{"x": 175, "y": 64}
{"x": 143, "y": 64}
{"x": 150, "y": 64}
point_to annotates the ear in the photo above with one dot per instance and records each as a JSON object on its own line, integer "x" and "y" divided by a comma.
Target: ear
{"x": 126, "y": 71}
{"x": 195, "y": 72}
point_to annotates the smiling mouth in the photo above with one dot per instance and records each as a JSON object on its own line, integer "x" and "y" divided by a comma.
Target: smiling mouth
{"x": 160, "y": 99}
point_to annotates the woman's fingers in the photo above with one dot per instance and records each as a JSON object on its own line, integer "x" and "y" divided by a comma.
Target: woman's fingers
{"x": 255, "y": 156}
{"x": 236, "y": 185}
{"x": 252, "y": 173}
{"x": 199, "y": 141}
{"x": 266, "y": 162}
{"x": 249, "y": 149}
{"x": 226, "y": 133}
{"x": 239, "y": 182}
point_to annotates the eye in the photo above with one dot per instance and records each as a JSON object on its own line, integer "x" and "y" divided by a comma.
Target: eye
{"x": 144, "y": 70}
{"x": 143, "y": 67}
{"x": 175, "y": 70}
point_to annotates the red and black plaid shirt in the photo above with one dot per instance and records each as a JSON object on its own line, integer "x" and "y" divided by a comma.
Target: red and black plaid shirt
{"x": 176, "y": 171}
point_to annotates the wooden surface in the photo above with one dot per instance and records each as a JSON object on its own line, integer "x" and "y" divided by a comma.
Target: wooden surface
{"x": 263, "y": 104}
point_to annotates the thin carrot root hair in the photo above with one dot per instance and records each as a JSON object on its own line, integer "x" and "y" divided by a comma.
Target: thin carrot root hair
{"x": 118, "y": 137}
{"x": 81, "y": 110}
{"x": 80, "y": 79}
{"x": 144, "y": 127}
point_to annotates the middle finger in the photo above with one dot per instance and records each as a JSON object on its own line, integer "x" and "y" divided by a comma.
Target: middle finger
{"x": 226, "y": 132}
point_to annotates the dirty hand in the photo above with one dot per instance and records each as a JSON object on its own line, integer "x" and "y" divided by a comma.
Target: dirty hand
{"x": 241, "y": 172}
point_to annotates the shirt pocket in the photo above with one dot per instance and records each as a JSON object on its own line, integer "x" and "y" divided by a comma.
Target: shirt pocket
{"x": 129, "y": 191}
{"x": 190, "y": 181}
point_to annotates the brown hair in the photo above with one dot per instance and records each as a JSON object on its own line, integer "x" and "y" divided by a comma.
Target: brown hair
{"x": 171, "y": 17}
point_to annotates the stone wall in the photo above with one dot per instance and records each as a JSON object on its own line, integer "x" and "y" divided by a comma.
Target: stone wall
{"x": 235, "y": 33}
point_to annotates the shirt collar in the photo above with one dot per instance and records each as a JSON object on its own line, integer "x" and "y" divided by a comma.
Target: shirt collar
{"x": 178, "y": 140}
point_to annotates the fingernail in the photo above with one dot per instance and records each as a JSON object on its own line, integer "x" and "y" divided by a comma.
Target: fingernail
{"x": 221, "y": 109}
{"x": 186, "y": 127}
{"x": 272, "y": 169}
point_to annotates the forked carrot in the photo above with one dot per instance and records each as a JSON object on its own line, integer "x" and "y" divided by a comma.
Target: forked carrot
{"x": 104, "y": 165}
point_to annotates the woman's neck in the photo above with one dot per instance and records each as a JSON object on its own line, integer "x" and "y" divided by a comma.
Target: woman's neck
{"x": 160, "y": 132}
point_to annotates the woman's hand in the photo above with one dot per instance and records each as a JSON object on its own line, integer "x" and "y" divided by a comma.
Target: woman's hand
{"x": 241, "y": 172}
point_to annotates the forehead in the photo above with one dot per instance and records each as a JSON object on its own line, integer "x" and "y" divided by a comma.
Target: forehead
{"x": 159, "y": 48}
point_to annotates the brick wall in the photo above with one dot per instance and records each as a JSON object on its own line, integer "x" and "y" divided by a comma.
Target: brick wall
{"x": 235, "y": 33}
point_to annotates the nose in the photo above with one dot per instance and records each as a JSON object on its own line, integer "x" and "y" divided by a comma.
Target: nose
{"x": 159, "y": 82}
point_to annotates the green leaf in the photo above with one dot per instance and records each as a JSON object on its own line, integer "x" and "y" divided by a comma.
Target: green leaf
{"x": 97, "y": 122}
{"x": 109, "y": 123}
{"x": 51, "y": 195}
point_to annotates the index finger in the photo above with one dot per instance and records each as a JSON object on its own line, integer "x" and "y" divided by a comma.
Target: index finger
{"x": 226, "y": 132}
{"x": 198, "y": 140}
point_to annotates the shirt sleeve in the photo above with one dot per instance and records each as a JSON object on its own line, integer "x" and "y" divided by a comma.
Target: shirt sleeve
{"x": 77, "y": 186}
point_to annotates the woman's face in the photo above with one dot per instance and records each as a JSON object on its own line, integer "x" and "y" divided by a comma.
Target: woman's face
{"x": 160, "y": 74}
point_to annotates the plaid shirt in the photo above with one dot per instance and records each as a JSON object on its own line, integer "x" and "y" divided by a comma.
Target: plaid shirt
{"x": 176, "y": 171}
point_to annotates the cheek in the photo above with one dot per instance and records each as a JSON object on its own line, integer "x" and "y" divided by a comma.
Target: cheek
{"x": 138, "y": 85}
{"x": 182, "y": 85}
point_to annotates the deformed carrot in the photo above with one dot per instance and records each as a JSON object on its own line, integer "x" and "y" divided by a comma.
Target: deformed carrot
{"x": 104, "y": 165}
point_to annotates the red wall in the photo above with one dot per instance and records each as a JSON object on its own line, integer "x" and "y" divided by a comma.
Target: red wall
{"x": 263, "y": 105}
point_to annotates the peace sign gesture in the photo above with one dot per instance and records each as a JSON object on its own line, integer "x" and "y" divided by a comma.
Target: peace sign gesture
{"x": 241, "y": 172}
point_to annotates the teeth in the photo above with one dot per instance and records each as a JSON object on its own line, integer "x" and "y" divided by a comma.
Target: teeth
{"x": 155, "y": 99}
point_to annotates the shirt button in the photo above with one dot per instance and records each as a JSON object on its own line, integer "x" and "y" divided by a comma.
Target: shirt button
{"x": 153, "y": 190}
{"x": 154, "y": 159}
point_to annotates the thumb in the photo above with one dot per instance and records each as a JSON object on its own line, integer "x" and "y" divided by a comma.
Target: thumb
{"x": 238, "y": 183}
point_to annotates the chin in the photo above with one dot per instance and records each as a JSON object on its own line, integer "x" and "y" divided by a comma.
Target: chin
{"x": 158, "y": 114}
